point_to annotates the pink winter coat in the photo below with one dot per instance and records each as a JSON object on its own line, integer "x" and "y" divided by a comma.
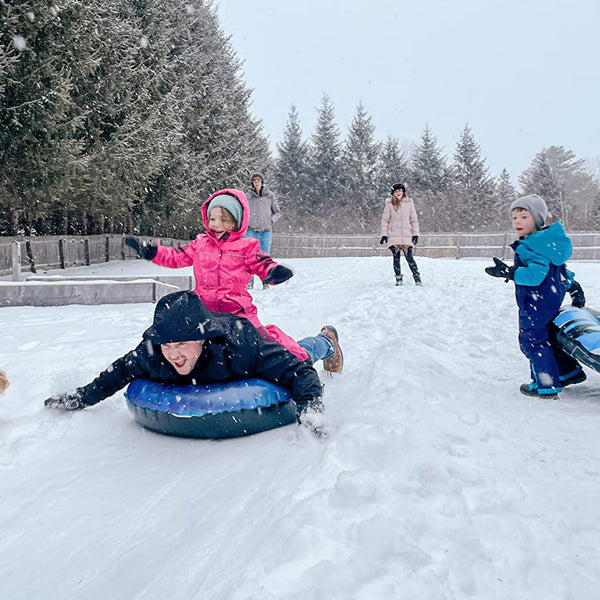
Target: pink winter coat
{"x": 399, "y": 225}
{"x": 223, "y": 268}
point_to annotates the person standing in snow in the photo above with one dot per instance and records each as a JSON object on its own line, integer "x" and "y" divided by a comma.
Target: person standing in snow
{"x": 189, "y": 345}
{"x": 3, "y": 382}
{"x": 264, "y": 211}
{"x": 541, "y": 280}
{"x": 224, "y": 261}
{"x": 400, "y": 229}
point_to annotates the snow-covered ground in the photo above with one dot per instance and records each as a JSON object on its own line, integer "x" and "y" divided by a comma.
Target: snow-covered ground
{"x": 438, "y": 480}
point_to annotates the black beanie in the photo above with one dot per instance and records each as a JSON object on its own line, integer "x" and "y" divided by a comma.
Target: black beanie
{"x": 179, "y": 317}
{"x": 399, "y": 186}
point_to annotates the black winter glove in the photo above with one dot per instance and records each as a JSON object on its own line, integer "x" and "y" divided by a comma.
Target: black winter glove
{"x": 501, "y": 269}
{"x": 66, "y": 401}
{"x": 144, "y": 250}
{"x": 277, "y": 275}
{"x": 577, "y": 295}
{"x": 310, "y": 415}
{"x": 383, "y": 240}
{"x": 415, "y": 239}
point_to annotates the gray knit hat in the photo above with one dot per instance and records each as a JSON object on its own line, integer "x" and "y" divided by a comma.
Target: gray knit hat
{"x": 229, "y": 203}
{"x": 536, "y": 207}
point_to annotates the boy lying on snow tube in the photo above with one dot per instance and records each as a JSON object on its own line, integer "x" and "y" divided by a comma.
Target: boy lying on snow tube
{"x": 190, "y": 345}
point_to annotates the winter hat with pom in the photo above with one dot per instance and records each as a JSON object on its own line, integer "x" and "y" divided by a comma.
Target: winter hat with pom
{"x": 229, "y": 203}
{"x": 536, "y": 207}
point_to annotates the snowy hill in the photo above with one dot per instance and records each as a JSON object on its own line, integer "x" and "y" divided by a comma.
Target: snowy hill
{"x": 438, "y": 480}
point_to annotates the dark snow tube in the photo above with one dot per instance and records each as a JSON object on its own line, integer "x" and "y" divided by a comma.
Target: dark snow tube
{"x": 578, "y": 333}
{"x": 213, "y": 411}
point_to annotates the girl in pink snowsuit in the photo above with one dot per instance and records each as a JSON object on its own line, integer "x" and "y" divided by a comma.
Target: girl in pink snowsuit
{"x": 224, "y": 262}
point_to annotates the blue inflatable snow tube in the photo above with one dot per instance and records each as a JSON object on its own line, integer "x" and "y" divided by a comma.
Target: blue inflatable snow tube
{"x": 578, "y": 333}
{"x": 213, "y": 411}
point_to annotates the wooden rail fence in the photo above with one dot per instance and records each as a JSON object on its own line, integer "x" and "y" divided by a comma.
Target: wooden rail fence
{"x": 31, "y": 254}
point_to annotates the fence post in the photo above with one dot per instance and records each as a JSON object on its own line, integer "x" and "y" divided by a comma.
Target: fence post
{"x": 107, "y": 249}
{"x": 16, "y": 261}
{"x": 61, "y": 253}
{"x": 458, "y": 245}
{"x": 86, "y": 251}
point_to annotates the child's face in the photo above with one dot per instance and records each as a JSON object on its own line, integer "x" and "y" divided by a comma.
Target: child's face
{"x": 182, "y": 356}
{"x": 219, "y": 222}
{"x": 398, "y": 194}
{"x": 522, "y": 222}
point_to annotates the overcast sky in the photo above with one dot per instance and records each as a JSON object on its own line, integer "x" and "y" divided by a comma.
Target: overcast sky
{"x": 524, "y": 74}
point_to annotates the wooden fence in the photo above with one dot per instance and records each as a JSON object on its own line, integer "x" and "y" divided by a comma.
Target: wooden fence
{"x": 54, "y": 252}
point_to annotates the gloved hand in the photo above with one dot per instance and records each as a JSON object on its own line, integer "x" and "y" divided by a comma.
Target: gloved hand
{"x": 66, "y": 401}
{"x": 312, "y": 417}
{"x": 501, "y": 269}
{"x": 278, "y": 274}
{"x": 144, "y": 250}
{"x": 383, "y": 240}
{"x": 577, "y": 295}
{"x": 415, "y": 240}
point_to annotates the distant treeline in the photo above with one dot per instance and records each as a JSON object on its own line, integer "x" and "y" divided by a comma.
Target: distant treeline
{"x": 325, "y": 179}
{"x": 124, "y": 115}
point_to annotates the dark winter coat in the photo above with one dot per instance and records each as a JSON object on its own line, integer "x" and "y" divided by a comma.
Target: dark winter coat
{"x": 233, "y": 350}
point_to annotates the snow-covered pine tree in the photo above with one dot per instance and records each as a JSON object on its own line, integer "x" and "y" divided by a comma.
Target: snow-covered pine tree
{"x": 471, "y": 188}
{"x": 324, "y": 160}
{"x": 561, "y": 179}
{"x": 40, "y": 159}
{"x": 428, "y": 183}
{"x": 504, "y": 195}
{"x": 359, "y": 168}
{"x": 392, "y": 167}
{"x": 221, "y": 142}
{"x": 290, "y": 172}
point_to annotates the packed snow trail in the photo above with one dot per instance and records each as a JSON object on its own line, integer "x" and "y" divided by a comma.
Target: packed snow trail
{"x": 438, "y": 480}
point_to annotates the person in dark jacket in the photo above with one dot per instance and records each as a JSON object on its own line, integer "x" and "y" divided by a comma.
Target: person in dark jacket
{"x": 189, "y": 345}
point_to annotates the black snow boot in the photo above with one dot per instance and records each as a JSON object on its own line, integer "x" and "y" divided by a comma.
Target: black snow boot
{"x": 398, "y": 279}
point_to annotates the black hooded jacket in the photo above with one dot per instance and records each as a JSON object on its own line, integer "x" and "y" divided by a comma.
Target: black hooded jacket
{"x": 233, "y": 350}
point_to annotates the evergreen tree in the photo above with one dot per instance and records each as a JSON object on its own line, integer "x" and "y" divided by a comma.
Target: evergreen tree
{"x": 291, "y": 167}
{"x": 392, "y": 167}
{"x": 39, "y": 158}
{"x": 560, "y": 178}
{"x": 505, "y": 194}
{"x": 324, "y": 157}
{"x": 471, "y": 184}
{"x": 359, "y": 165}
{"x": 429, "y": 172}
{"x": 429, "y": 184}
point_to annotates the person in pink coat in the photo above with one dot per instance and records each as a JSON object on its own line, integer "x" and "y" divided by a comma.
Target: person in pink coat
{"x": 400, "y": 229}
{"x": 224, "y": 261}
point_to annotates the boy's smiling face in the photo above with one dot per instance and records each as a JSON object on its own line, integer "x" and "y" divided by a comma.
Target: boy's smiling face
{"x": 183, "y": 356}
{"x": 522, "y": 222}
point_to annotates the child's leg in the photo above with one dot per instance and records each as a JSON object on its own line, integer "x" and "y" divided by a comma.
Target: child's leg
{"x": 534, "y": 340}
{"x": 395, "y": 250}
{"x": 408, "y": 253}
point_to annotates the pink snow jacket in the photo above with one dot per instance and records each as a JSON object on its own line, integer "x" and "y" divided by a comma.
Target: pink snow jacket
{"x": 399, "y": 225}
{"x": 223, "y": 268}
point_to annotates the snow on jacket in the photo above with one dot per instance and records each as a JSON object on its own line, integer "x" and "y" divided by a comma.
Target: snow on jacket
{"x": 234, "y": 350}
{"x": 264, "y": 209}
{"x": 223, "y": 268}
{"x": 399, "y": 224}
